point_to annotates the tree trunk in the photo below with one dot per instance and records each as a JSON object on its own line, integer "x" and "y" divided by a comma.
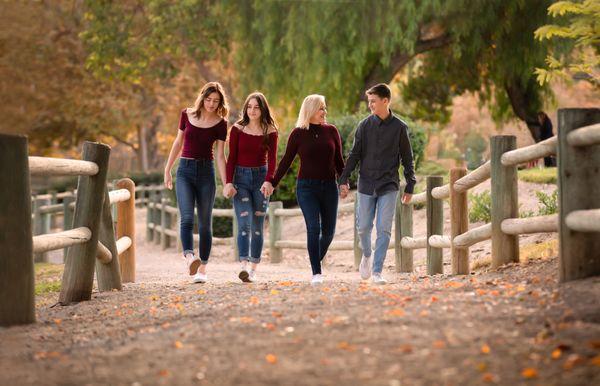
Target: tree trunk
{"x": 522, "y": 106}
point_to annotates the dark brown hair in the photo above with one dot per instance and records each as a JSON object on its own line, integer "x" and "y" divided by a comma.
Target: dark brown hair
{"x": 381, "y": 90}
{"x": 266, "y": 119}
{"x": 209, "y": 88}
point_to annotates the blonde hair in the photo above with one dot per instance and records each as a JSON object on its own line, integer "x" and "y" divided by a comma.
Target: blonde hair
{"x": 209, "y": 88}
{"x": 310, "y": 106}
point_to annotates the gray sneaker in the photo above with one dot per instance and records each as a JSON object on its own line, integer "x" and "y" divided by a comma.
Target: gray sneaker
{"x": 365, "y": 267}
{"x": 378, "y": 279}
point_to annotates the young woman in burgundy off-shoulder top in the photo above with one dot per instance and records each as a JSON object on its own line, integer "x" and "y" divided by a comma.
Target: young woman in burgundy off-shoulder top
{"x": 199, "y": 128}
{"x": 250, "y": 168}
{"x": 320, "y": 149}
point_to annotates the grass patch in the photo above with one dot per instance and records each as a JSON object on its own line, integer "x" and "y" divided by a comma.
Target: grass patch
{"x": 538, "y": 176}
{"x": 539, "y": 251}
{"x": 47, "y": 277}
{"x": 482, "y": 263}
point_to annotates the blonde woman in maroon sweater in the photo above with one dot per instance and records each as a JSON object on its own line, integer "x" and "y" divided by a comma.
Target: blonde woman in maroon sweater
{"x": 250, "y": 168}
{"x": 319, "y": 147}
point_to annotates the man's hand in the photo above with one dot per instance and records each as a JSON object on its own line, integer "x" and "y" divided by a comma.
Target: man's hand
{"x": 344, "y": 189}
{"x": 406, "y": 197}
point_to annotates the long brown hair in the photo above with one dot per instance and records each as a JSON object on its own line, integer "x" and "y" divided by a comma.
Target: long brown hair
{"x": 266, "y": 119}
{"x": 209, "y": 88}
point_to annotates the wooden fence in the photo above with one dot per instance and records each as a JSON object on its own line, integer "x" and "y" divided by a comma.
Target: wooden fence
{"x": 91, "y": 237}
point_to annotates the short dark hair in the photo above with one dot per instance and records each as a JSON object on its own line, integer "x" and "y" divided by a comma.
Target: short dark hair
{"x": 381, "y": 90}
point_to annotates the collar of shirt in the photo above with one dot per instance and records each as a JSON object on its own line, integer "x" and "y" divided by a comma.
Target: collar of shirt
{"x": 386, "y": 120}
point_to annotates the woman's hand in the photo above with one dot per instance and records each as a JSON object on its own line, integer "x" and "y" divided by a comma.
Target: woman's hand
{"x": 267, "y": 189}
{"x": 168, "y": 180}
{"x": 229, "y": 190}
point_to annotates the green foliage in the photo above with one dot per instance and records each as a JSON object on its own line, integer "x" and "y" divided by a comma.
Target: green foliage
{"x": 577, "y": 49}
{"x": 222, "y": 226}
{"x": 538, "y": 176}
{"x": 548, "y": 203}
{"x": 474, "y": 146}
{"x": 338, "y": 50}
{"x": 480, "y": 207}
{"x": 431, "y": 168}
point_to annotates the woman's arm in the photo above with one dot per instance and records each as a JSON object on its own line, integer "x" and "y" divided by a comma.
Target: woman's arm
{"x": 173, "y": 155}
{"x": 221, "y": 161}
{"x": 290, "y": 153}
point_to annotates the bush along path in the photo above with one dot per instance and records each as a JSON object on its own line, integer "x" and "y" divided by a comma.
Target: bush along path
{"x": 513, "y": 326}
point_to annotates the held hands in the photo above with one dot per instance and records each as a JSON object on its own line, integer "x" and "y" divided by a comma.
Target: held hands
{"x": 406, "y": 197}
{"x": 168, "y": 180}
{"x": 267, "y": 189}
{"x": 344, "y": 189}
{"x": 229, "y": 190}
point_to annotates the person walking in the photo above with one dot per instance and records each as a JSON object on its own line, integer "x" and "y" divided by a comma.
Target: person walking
{"x": 200, "y": 127}
{"x": 319, "y": 147}
{"x": 250, "y": 169}
{"x": 381, "y": 142}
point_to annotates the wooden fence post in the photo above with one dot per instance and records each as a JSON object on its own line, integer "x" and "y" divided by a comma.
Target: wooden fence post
{"x": 178, "y": 230}
{"x": 165, "y": 223}
{"x": 108, "y": 275}
{"x": 17, "y": 301}
{"x": 234, "y": 233}
{"x": 67, "y": 218}
{"x": 356, "y": 245}
{"x": 78, "y": 276}
{"x": 52, "y": 223}
{"x": 579, "y": 189}
{"x": 41, "y": 226}
{"x": 435, "y": 226}
{"x": 505, "y": 201}
{"x": 126, "y": 227}
{"x": 404, "y": 228}
{"x": 459, "y": 223}
{"x": 275, "y": 225}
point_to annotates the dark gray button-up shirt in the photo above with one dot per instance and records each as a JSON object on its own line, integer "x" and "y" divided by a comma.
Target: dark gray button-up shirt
{"x": 380, "y": 146}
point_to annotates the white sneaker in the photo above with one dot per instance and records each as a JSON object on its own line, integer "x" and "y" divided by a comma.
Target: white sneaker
{"x": 378, "y": 279}
{"x": 365, "y": 267}
{"x": 252, "y": 276}
{"x": 317, "y": 279}
{"x": 200, "y": 278}
{"x": 193, "y": 263}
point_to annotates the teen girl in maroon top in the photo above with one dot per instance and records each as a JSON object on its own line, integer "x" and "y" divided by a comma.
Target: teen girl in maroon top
{"x": 250, "y": 168}
{"x": 199, "y": 128}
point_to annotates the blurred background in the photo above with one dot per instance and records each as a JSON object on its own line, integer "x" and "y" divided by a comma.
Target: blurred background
{"x": 120, "y": 72}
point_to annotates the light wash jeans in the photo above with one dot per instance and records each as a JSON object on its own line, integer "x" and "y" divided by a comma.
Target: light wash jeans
{"x": 247, "y": 203}
{"x": 368, "y": 207}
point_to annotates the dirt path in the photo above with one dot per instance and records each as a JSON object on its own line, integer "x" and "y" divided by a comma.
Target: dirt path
{"x": 513, "y": 326}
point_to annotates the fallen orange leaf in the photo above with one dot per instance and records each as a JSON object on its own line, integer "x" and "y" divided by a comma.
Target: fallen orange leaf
{"x": 178, "y": 344}
{"x": 556, "y": 353}
{"x": 485, "y": 349}
{"x": 596, "y": 360}
{"x": 529, "y": 373}
{"x": 272, "y": 359}
{"x": 439, "y": 344}
{"x": 396, "y": 312}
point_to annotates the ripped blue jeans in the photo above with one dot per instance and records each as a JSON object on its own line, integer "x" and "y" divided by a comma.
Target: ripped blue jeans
{"x": 250, "y": 210}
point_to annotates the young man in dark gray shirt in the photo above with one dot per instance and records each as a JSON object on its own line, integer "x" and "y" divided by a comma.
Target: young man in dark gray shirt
{"x": 381, "y": 142}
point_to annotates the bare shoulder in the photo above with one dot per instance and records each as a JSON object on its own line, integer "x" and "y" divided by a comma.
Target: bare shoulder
{"x": 272, "y": 130}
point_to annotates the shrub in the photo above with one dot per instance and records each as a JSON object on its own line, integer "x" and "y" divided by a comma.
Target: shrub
{"x": 549, "y": 203}
{"x": 480, "y": 207}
